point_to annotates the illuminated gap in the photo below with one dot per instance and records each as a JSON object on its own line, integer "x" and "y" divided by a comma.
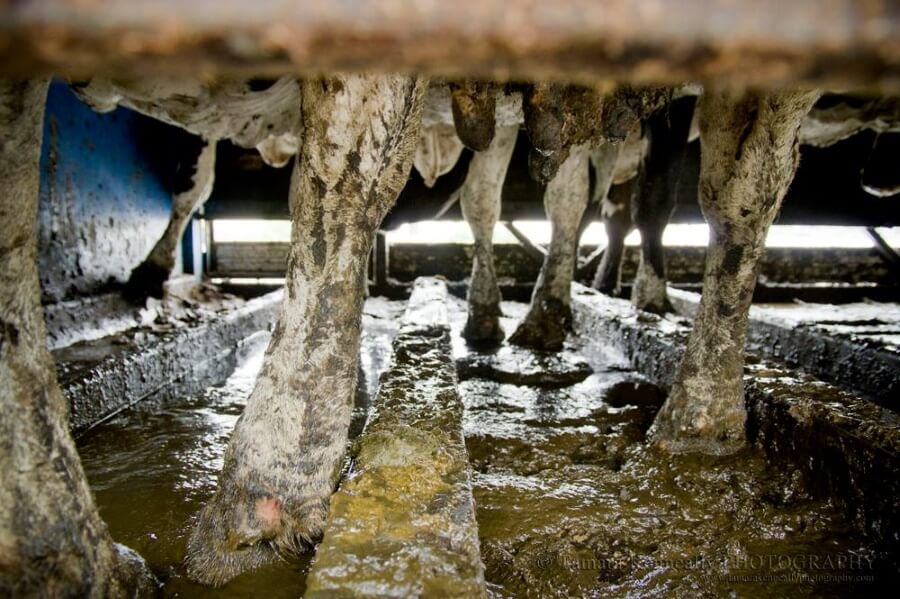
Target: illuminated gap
{"x": 247, "y": 280}
{"x": 251, "y": 231}
{"x": 683, "y": 235}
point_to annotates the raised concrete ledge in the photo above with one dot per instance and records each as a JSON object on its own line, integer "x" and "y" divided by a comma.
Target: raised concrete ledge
{"x": 835, "y": 343}
{"x": 653, "y": 345}
{"x": 845, "y": 447}
{"x": 89, "y": 318}
{"x": 102, "y": 377}
{"x": 403, "y": 522}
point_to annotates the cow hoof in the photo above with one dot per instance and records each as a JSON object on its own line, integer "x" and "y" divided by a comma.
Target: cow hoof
{"x": 147, "y": 280}
{"x": 608, "y": 289}
{"x": 483, "y": 332}
{"x": 546, "y": 334}
{"x": 661, "y": 308}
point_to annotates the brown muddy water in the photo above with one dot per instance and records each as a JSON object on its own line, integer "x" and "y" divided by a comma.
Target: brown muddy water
{"x": 569, "y": 501}
{"x": 153, "y": 467}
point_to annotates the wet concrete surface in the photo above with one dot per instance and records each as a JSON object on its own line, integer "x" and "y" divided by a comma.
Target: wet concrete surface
{"x": 513, "y": 364}
{"x": 854, "y": 345}
{"x": 89, "y": 318}
{"x": 569, "y": 500}
{"x": 839, "y": 446}
{"x": 571, "y": 503}
{"x": 403, "y": 523}
{"x": 152, "y": 467}
{"x": 185, "y": 347}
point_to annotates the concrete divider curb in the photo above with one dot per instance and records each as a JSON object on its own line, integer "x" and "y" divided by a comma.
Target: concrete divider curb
{"x": 165, "y": 365}
{"x": 841, "y": 358}
{"x": 403, "y": 522}
{"x": 845, "y": 447}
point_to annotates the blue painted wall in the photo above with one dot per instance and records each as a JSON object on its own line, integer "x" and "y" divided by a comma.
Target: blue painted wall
{"x": 105, "y": 193}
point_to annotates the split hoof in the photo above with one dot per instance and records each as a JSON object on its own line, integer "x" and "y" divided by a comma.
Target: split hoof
{"x": 608, "y": 289}
{"x": 545, "y": 326}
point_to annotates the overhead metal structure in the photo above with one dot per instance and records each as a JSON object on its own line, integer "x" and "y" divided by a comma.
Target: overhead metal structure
{"x": 838, "y": 43}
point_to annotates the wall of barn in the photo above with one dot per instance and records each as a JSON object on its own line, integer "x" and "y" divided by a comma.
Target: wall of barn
{"x": 105, "y": 194}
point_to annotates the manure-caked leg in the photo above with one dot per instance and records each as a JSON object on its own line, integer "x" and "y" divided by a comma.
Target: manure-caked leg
{"x": 192, "y": 191}
{"x": 549, "y": 316}
{"x": 480, "y": 202}
{"x": 285, "y": 455}
{"x": 53, "y": 542}
{"x": 750, "y": 154}
{"x": 655, "y": 200}
{"x": 615, "y": 209}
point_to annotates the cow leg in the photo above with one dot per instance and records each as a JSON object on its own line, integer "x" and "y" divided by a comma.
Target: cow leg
{"x": 615, "y": 209}
{"x": 655, "y": 200}
{"x": 285, "y": 455}
{"x": 480, "y": 203}
{"x": 191, "y": 193}
{"x": 750, "y": 153}
{"x": 604, "y": 158}
{"x": 52, "y": 540}
{"x": 549, "y": 315}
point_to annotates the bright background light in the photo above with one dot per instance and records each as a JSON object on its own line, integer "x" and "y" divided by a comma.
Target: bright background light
{"x": 539, "y": 232}
{"x": 246, "y": 230}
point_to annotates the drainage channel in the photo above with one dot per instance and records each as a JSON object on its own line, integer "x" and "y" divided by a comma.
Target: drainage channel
{"x": 152, "y": 467}
{"x": 570, "y": 501}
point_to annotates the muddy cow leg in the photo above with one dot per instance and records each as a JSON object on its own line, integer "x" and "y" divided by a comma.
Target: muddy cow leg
{"x": 284, "y": 457}
{"x": 615, "y": 209}
{"x": 750, "y": 153}
{"x": 603, "y": 158}
{"x": 192, "y": 191}
{"x": 655, "y": 200}
{"x": 480, "y": 202}
{"x": 549, "y": 315}
{"x": 52, "y": 540}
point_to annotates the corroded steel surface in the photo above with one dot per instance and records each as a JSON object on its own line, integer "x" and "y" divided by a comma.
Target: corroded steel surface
{"x": 852, "y": 42}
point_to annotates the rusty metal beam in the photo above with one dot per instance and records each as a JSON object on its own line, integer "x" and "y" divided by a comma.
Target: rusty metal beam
{"x": 760, "y": 42}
